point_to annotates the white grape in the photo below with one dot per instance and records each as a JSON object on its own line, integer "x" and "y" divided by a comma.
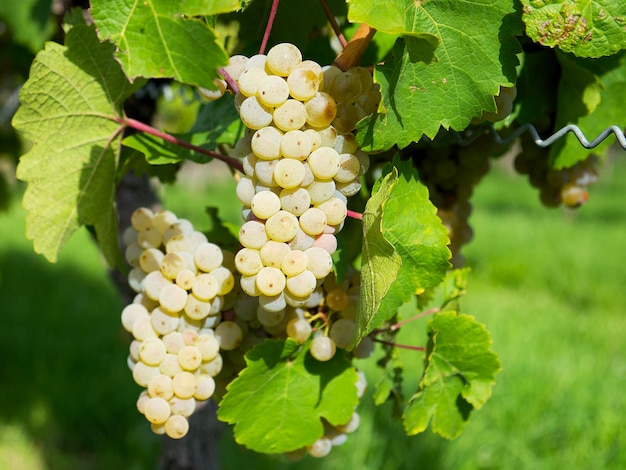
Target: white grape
{"x": 313, "y": 221}
{"x": 152, "y": 351}
{"x": 282, "y": 226}
{"x": 290, "y": 116}
{"x": 170, "y": 366}
{"x": 197, "y": 309}
{"x": 299, "y": 329}
{"x": 173, "y": 298}
{"x": 176, "y": 427}
{"x": 320, "y": 262}
{"x": 249, "y": 80}
{"x": 172, "y": 264}
{"x": 349, "y": 168}
{"x": 320, "y": 448}
{"x": 143, "y": 373}
{"x": 184, "y": 384}
{"x": 252, "y": 234}
{"x": 289, "y": 173}
{"x": 320, "y": 110}
{"x": 321, "y": 190}
{"x": 270, "y": 281}
{"x": 161, "y": 386}
{"x": 296, "y": 144}
{"x": 324, "y": 162}
{"x": 185, "y": 279}
{"x": 205, "y": 287}
{"x": 248, "y": 261}
{"x": 272, "y": 91}
{"x": 264, "y": 173}
{"x": 157, "y": 410}
{"x": 272, "y": 253}
{"x": 323, "y": 348}
{"x": 266, "y": 143}
{"x": 295, "y": 200}
{"x": 229, "y": 335}
{"x": 334, "y": 209}
{"x": 326, "y": 241}
{"x": 283, "y": 58}
{"x": 273, "y": 303}
{"x": 208, "y": 345}
{"x": 189, "y": 358}
{"x": 205, "y": 387}
{"x": 142, "y": 329}
{"x": 132, "y": 255}
{"x": 342, "y": 331}
{"x": 266, "y": 203}
{"x": 304, "y": 82}
{"x": 245, "y": 190}
{"x": 132, "y": 312}
{"x": 225, "y": 280}
{"x": 294, "y": 262}
{"x": 254, "y": 114}
{"x": 270, "y": 318}
{"x": 302, "y": 285}
{"x": 182, "y": 406}
{"x": 141, "y": 218}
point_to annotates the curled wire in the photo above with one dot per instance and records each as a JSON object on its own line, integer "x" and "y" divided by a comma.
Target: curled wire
{"x": 466, "y": 139}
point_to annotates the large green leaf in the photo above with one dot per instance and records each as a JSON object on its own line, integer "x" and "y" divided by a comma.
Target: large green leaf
{"x": 211, "y": 7}
{"x": 277, "y": 402}
{"x": 68, "y": 110}
{"x": 587, "y": 28}
{"x": 380, "y": 261}
{"x": 410, "y": 223}
{"x": 155, "y": 39}
{"x": 460, "y": 371}
{"x": 428, "y": 84}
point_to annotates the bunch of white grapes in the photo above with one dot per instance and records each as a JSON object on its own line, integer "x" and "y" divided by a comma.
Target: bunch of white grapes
{"x": 183, "y": 283}
{"x": 301, "y": 162}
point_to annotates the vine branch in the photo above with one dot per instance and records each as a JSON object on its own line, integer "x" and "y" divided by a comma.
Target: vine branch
{"x": 398, "y": 345}
{"x": 142, "y": 127}
{"x": 333, "y": 23}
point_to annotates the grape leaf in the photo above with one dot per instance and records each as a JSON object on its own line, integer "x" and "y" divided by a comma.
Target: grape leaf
{"x": 68, "y": 109}
{"x": 599, "y": 104}
{"x": 277, "y": 402}
{"x": 380, "y": 261}
{"x": 30, "y": 21}
{"x": 410, "y": 223}
{"x": 460, "y": 371}
{"x": 451, "y": 84}
{"x": 155, "y": 39}
{"x": 586, "y": 28}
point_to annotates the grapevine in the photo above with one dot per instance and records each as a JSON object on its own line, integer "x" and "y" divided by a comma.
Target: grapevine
{"x": 354, "y": 186}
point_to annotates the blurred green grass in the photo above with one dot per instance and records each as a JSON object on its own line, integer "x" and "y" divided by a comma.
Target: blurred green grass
{"x": 549, "y": 285}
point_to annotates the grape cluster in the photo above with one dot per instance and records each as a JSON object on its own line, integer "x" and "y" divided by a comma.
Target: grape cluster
{"x": 182, "y": 287}
{"x": 566, "y": 186}
{"x": 301, "y": 162}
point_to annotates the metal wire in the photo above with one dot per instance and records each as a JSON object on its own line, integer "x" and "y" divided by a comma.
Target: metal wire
{"x": 466, "y": 139}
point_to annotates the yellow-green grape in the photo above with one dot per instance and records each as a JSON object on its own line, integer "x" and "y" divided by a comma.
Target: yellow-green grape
{"x": 150, "y": 259}
{"x": 173, "y": 341}
{"x": 272, "y": 253}
{"x": 176, "y": 427}
{"x": 172, "y": 298}
{"x": 323, "y": 348}
{"x": 248, "y": 261}
{"x": 185, "y": 279}
{"x": 150, "y": 237}
{"x": 266, "y": 203}
{"x": 313, "y": 221}
{"x": 208, "y": 256}
{"x": 302, "y": 285}
{"x": 161, "y": 386}
{"x": 304, "y": 80}
{"x": 132, "y": 312}
{"x": 229, "y": 335}
{"x": 254, "y": 114}
{"x": 153, "y": 283}
{"x": 283, "y": 58}
{"x": 172, "y": 264}
{"x": 349, "y": 168}
{"x": 205, "y": 387}
{"x": 290, "y": 116}
{"x": 295, "y": 200}
{"x": 169, "y": 365}
{"x": 157, "y": 410}
{"x": 252, "y": 234}
{"x": 296, "y": 144}
{"x": 320, "y": 448}
{"x": 299, "y": 329}
{"x": 212, "y": 367}
{"x": 270, "y": 281}
{"x": 189, "y": 358}
{"x": 282, "y": 226}
{"x": 288, "y": 173}
{"x": 142, "y": 329}
{"x": 208, "y": 345}
{"x": 180, "y": 242}
{"x": 249, "y": 80}
{"x": 152, "y": 351}
{"x": 266, "y": 143}
{"x": 197, "y": 309}
{"x": 273, "y": 303}
{"x": 205, "y": 287}
{"x": 337, "y": 299}
{"x": 294, "y": 262}
{"x": 182, "y": 406}
{"x": 132, "y": 255}
{"x": 268, "y": 319}
{"x": 143, "y": 373}
{"x": 225, "y": 280}
{"x": 141, "y": 218}
{"x": 342, "y": 332}
{"x": 321, "y": 190}
{"x": 320, "y": 110}
{"x": 319, "y": 262}
{"x": 324, "y": 163}
{"x": 272, "y": 91}
{"x": 184, "y": 384}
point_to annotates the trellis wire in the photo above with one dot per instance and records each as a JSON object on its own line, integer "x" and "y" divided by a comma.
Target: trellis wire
{"x": 466, "y": 139}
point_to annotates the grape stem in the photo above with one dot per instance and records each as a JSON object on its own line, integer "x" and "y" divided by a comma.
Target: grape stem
{"x": 425, "y": 313}
{"x": 140, "y": 126}
{"x": 268, "y": 28}
{"x": 230, "y": 80}
{"x": 355, "y": 215}
{"x": 398, "y": 345}
{"x": 333, "y": 23}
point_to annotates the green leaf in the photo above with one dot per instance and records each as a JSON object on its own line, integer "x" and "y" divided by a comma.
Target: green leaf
{"x": 410, "y": 223}
{"x": 590, "y": 95}
{"x": 460, "y": 371}
{"x": 68, "y": 110}
{"x": 380, "y": 262}
{"x": 451, "y": 84}
{"x": 586, "y": 28}
{"x": 277, "y": 402}
{"x": 30, "y": 21}
{"x": 154, "y": 39}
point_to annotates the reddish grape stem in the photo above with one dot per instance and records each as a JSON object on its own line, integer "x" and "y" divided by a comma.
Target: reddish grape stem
{"x": 268, "y": 28}
{"x": 333, "y": 23}
{"x": 425, "y": 313}
{"x": 401, "y": 346}
{"x": 355, "y": 215}
{"x": 140, "y": 126}
{"x": 230, "y": 80}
